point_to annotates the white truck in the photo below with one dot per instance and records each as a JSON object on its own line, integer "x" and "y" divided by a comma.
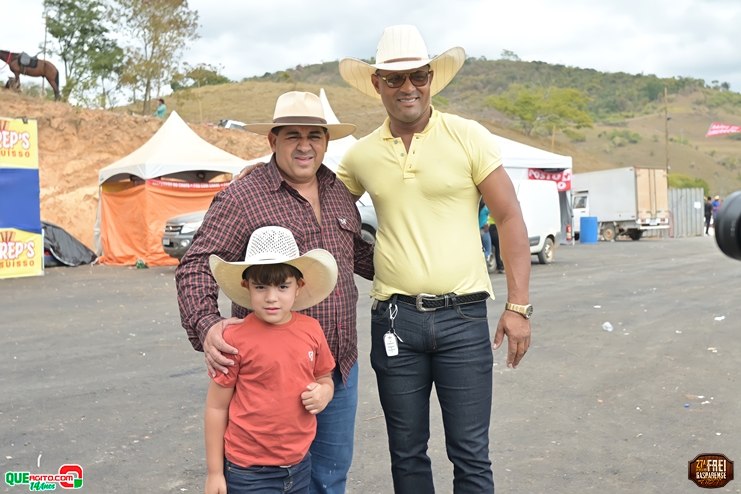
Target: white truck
{"x": 542, "y": 214}
{"x": 626, "y": 201}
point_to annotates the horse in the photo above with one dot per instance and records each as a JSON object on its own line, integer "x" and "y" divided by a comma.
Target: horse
{"x": 43, "y": 69}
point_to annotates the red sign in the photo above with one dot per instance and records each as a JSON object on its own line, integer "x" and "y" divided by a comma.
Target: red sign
{"x": 717, "y": 129}
{"x": 561, "y": 177}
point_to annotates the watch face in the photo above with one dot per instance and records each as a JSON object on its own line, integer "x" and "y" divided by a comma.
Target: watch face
{"x": 529, "y": 311}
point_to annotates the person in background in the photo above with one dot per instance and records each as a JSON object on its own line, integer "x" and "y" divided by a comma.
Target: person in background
{"x": 484, "y": 228}
{"x": 716, "y": 206}
{"x": 161, "y": 110}
{"x": 708, "y": 213}
{"x": 496, "y": 251}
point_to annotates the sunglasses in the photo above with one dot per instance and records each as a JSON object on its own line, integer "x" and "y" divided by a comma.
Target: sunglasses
{"x": 419, "y": 78}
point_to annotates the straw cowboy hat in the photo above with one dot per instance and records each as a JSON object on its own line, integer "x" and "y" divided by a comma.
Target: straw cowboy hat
{"x": 274, "y": 245}
{"x": 299, "y": 108}
{"x": 401, "y": 49}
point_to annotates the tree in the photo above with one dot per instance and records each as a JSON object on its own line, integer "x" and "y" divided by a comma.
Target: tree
{"x": 554, "y": 109}
{"x": 158, "y": 31}
{"x": 509, "y": 55}
{"x": 199, "y": 75}
{"x": 108, "y": 65}
{"x": 80, "y": 40}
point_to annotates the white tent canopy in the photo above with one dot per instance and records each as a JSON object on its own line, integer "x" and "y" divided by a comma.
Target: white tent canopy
{"x": 175, "y": 150}
{"x": 518, "y": 155}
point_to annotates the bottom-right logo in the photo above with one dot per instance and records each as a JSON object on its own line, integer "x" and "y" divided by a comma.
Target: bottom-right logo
{"x": 710, "y": 470}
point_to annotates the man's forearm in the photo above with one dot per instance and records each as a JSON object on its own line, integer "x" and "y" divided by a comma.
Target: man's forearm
{"x": 515, "y": 246}
{"x": 197, "y": 299}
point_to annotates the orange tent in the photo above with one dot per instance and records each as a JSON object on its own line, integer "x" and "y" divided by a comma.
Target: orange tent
{"x": 137, "y": 234}
{"x": 168, "y": 176}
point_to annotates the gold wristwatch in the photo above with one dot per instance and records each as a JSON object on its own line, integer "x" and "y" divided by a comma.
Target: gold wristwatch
{"x": 525, "y": 311}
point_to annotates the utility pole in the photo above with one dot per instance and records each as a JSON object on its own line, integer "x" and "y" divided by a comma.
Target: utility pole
{"x": 46, "y": 30}
{"x": 200, "y": 108}
{"x": 666, "y": 131}
{"x": 553, "y": 138}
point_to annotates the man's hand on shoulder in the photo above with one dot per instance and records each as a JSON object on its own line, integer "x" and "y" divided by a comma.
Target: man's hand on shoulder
{"x": 246, "y": 171}
{"x": 214, "y": 347}
{"x": 517, "y": 329}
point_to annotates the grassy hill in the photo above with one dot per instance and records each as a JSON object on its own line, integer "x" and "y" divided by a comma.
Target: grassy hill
{"x": 627, "y": 111}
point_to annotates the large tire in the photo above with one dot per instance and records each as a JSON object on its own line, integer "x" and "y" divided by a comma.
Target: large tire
{"x": 546, "y": 255}
{"x": 491, "y": 263}
{"x": 368, "y": 234}
{"x": 608, "y": 232}
{"x": 635, "y": 234}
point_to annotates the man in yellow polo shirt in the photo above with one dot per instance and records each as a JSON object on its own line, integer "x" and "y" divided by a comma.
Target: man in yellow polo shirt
{"x": 425, "y": 172}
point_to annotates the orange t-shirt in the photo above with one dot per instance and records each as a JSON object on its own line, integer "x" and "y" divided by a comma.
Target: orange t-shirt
{"x": 268, "y": 424}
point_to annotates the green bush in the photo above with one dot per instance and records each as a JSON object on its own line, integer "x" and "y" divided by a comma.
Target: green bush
{"x": 681, "y": 181}
{"x": 623, "y": 137}
{"x": 574, "y": 135}
{"x": 730, "y": 162}
{"x": 680, "y": 140}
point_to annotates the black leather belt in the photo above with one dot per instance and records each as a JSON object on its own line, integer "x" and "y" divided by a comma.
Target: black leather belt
{"x": 424, "y": 302}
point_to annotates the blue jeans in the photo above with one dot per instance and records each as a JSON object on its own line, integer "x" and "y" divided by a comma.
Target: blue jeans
{"x": 486, "y": 243}
{"x": 268, "y": 480}
{"x": 450, "y": 348}
{"x": 332, "y": 449}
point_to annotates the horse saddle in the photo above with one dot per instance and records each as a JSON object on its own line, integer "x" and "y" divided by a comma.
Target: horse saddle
{"x": 26, "y": 60}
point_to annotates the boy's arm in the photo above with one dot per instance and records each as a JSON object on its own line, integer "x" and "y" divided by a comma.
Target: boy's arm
{"x": 319, "y": 394}
{"x": 215, "y": 420}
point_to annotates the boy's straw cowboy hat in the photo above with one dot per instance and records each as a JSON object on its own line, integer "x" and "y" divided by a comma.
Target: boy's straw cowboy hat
{"x": 299, "y": 108}
{"x": 274, "y": 245}
{"x": 402, "y": 49}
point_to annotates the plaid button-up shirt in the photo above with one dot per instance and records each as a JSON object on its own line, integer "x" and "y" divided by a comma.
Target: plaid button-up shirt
{"x": 263, "y": 198}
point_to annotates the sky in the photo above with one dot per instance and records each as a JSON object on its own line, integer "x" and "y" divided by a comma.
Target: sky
{"x": 689, "y": 38}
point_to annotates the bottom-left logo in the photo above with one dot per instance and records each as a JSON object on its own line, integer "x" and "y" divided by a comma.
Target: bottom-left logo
{"x": 69, "y": 477}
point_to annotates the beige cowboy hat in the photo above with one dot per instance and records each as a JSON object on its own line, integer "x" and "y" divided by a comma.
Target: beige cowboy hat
{"x": 274, "y": 245}
{"x": 402, "y": 48}
{"x": 299, "y": 108}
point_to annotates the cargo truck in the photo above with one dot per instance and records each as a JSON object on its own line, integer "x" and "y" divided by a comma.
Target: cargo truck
{"x": 626, "y": 201}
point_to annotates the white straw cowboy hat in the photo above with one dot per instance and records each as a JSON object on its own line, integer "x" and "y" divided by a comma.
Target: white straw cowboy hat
{"x": 402, "y": 48}
{"x": 274, "y": 245}
{"x": 299, "y": 108}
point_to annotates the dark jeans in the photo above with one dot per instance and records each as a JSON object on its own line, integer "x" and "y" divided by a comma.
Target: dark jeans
{"x": 494, "y": 234}
{"x": 707, "y": 224}
{"x": 268, "y": 480}
{"x": 450, "y": 348}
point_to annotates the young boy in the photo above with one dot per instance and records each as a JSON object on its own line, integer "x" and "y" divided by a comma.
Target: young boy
{"x": 260, "y": 415}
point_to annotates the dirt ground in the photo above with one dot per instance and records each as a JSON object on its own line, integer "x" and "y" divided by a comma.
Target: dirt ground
{"x": 97, "y": 371}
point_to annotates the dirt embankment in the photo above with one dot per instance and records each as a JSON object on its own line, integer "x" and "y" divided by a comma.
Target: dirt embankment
{"x": 75, "y": 143}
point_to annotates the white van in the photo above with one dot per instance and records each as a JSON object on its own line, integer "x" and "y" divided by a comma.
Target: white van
{"x": 542, "y": 213}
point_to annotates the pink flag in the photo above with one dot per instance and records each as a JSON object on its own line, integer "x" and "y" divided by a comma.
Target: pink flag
{"x": 717, "y": 129}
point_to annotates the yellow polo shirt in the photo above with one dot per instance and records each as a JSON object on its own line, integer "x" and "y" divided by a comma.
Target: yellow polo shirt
{"x": 426, "y": 200}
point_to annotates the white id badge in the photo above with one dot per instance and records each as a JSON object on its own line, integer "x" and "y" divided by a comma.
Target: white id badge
{"x": 392, "y": 348}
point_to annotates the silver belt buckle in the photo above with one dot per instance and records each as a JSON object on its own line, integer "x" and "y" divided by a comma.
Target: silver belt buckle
{"x": 420, "y": 298}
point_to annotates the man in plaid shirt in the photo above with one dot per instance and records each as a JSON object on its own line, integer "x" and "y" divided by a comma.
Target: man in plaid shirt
{"x": 297, "y": 192}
